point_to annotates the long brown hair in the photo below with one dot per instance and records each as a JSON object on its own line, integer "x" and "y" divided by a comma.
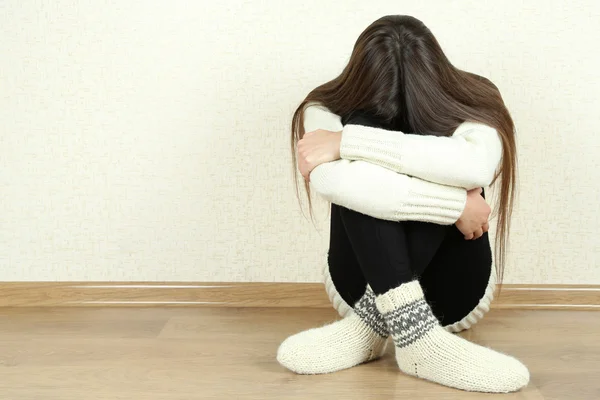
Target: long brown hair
{"x": 398, "y": 73}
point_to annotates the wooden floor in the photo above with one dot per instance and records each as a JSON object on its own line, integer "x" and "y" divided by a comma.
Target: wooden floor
{"x": 227, "y": 353}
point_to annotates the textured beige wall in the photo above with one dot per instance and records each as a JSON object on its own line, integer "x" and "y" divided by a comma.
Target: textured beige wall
{"x": 148, "y": 140}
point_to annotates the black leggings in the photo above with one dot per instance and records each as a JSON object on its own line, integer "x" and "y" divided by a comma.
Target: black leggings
{"x": 453, "y": 272}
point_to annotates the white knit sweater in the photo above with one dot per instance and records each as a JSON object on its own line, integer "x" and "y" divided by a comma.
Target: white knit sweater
{"x": 396, "y": 176}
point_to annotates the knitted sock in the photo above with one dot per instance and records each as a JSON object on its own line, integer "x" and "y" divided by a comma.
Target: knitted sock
{"x": 359, "y": 337}
{"x": 425, "y": 350}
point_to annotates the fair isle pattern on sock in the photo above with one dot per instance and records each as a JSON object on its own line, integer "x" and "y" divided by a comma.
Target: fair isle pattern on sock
{"x": 410, "y": 322}
{"x": 425, "y": 350}
{"x": 366, "y": 309}
{"x": 467, "y": 322}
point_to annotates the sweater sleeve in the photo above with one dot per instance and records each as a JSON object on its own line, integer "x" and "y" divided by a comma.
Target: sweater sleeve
{"x": 379, "y": 192}
{"x": 467, "y": 159}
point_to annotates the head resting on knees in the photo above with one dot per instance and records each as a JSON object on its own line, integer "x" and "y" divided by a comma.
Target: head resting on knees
{"x": 399, "y": 78}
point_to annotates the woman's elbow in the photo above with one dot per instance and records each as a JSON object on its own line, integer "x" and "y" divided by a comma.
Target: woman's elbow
{"x": 479, "y": 179}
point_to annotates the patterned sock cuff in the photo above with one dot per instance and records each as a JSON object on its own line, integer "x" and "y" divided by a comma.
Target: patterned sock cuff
{"x": 406, "y": 312}
{"x": 409, "y": 323}
{"x": 366, "y": 309}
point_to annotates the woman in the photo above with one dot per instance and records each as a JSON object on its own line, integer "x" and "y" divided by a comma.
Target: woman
{"x": 407, "y": 215}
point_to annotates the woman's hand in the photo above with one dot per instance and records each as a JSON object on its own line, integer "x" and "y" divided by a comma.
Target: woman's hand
{"x": 316, "y": 148}
{"x": 474, "y": 220}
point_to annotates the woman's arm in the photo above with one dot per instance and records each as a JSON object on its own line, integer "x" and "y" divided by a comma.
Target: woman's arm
{"x": 377, "y": 191}
{"x": 384, "y": 194}
{"x": 467, "y": 159}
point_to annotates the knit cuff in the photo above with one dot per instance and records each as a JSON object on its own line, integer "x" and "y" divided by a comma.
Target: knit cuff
{"x": 359, "y": 144}
{"x": 399, "y": 297}
{"x": 433, "y": 202}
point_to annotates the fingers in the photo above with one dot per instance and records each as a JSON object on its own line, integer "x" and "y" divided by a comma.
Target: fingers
{"x": 304, "y": 155}
{"x": 303, "y": 166}
{"x": 478, "y": 233}
{"x": 475, "y": 235}
{"x": 302, "y": 148}
{"x": 305, "y": 170}
{"x": 306, "y": 176}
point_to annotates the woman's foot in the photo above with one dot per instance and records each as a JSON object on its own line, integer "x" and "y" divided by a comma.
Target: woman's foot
{"x": 425, "y": 350}
{"x": 356, "y": 339}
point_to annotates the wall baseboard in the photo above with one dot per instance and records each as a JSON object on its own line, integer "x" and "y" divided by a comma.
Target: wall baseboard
{"x": 312, "y": 295}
